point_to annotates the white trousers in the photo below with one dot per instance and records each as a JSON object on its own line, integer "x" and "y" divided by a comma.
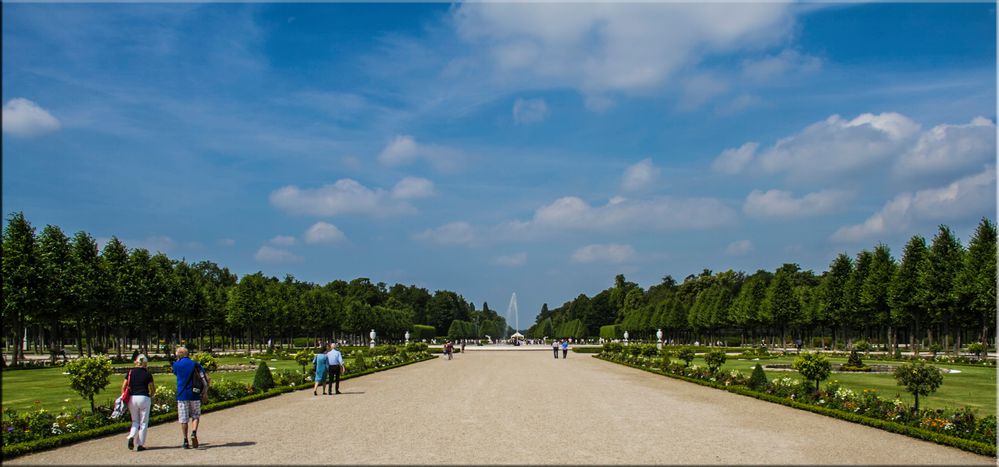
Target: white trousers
{"x": 139, "y": 407}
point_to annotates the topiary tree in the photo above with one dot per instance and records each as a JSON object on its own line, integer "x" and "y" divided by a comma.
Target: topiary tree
{"x": 263, "y": 380}
{"x": 862, "y": 346}
{"x": 813, "y": 366}
{"x": 918, "y": 379}
{"x": 360, "y": 364}
{"x": 686, "y": 354}
{"x": 978, "y": 349}
{"x": 758, "y": 380}
{"x": 715, "y": 359}
{"x": 303, "y": 357}
{"x": 89, "y": 376}
{"x": 206, "y": 360}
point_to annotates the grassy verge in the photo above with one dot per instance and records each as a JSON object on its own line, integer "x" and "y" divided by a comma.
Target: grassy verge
{"x": 20, "y": 449}
{"x": 963, "y": 444}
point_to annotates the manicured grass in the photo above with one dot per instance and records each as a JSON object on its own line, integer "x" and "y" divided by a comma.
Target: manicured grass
{"x": 48, "y": 388}
{"x": 973, "y": 387}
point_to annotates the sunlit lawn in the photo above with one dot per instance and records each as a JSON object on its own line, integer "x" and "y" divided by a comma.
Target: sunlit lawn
{"x": 49, "y": 388}
{"x": 974, "y": 387}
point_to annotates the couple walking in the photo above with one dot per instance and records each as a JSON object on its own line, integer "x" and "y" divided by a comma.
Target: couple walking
{"x": 192, "y": 389}
{"x": 328, "y": 363}
{"x": 564, "y": 345}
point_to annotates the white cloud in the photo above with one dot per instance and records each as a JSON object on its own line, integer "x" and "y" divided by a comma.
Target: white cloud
{"x": 22, "y": 117}
{"x": 611, "y": 253}
{"x": 347, "y": 196}
{"x": 600, "y": 47}
{"x": 269, "y": 254}
{"x": 966, "y": 196}
{"x": 778, "y": 204}
{"x": 768, "y": 68}
{"x": 665, "y": 213}
{"x": 739, "y": 247}
{"x": 412, "y": 188}
{"x": 949, "y": 148}
{"x": 699, "y": 89}
{"x": 571, "y": 213}
{"x": 404, "y": 150}
{"x": 321, "y": 232}
{"x": 283, "y": 240}
{"x": 640, "y": 176}
{"x": 227, "y": 242}
{"x": 832, "y": 146}
{"x": 734, "y": 160}
{"x": 527, "y": 111}
{"x": 461, "y": 233}
{"x": 514, "y": 260}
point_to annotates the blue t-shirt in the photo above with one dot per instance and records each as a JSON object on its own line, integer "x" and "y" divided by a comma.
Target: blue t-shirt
{"x": 183, "y": 368}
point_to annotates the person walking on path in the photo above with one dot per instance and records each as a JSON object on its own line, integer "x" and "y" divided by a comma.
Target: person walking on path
{"x": 321, "y": 362}
{"x": 334, "y": 360}
{"x": 463, "y": 347}
{"x": 192, "y": 384}
{"x": 140, "y": 402}
{"x": 555, "y": 348}
{"x": 565, "y": 348}
{"x": 448, "y": 348}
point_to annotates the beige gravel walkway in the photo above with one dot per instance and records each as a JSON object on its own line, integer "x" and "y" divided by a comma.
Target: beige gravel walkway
{"x": 517, "y": 407}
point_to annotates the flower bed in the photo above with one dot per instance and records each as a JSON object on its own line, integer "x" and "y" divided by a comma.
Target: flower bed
{"x": 36, "y": 430}
{"x": 959, "y": 428}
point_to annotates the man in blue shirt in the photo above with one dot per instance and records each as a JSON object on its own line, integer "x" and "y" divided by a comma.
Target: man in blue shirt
{"x": 335, "y": 362}
{"x": 188, "y": 396}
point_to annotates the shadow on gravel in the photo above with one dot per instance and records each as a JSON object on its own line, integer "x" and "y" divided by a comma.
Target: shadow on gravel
{"x": 227, "y": 445}
{"x": 351, "y": 392}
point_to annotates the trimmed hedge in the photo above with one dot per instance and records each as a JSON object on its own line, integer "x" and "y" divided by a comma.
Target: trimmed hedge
{"x": 963, "y": 444}
{"x": 587, "y": 349}
{"x": 20, "y": 449}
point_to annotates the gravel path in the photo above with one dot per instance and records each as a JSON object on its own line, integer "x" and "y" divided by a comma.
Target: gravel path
{"x": 521, "y": 407}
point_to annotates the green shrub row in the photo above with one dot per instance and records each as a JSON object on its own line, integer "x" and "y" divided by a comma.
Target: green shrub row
{"x": 20, "y": 449}
{"x": 586, "y": 349}
{"x": 963, "y": 444}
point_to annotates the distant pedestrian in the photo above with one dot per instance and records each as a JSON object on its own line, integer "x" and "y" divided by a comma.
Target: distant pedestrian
{"x": 192, "y": 383}
{"x": 462, "y": 347}
{"x": 448, "y": 349}
{"x": 320, "y": 361}
{"x": 565, "y": 348}
{"x": 335, "y": 367}
{"x": 555, "y": 348}
{"x": 140, "y": 402}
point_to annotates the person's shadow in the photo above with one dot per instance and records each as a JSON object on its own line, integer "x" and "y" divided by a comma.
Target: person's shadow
{"x": 352, "y": 392}
{"x": 235, "y": 444}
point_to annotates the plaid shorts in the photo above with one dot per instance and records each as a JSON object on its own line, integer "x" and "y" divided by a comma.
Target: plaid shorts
{"x": 188, "y": 410}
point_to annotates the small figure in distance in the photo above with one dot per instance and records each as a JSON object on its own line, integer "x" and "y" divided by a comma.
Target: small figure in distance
{"x": 555, "y": 347}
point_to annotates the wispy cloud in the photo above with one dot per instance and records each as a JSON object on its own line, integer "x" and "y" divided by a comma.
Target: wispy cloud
{"x": 967, "y": 196}
{"x": 25, "y": 118}
{"x": 527, "y": 111}
{"x": 640, "y": 176}
{"x": 404, "y": 150}
{"x": 347, "y": 196}
{"x": 322, "y": 232}
{"x": 778, "y": 204}
{"x": 513, "y": 261}
{"x": 611, "y": 253}
{"x": 269, "y": 254}
{"x": 739, "y": 248}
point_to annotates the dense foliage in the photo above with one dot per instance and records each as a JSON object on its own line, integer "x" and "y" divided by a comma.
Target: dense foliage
{"x": 936, "y": 297}
{"x": 833, "y": 399}
{"x": 919, "y": 378}
{"x": 63, "y": 290}
{"x": 89, "y": 376}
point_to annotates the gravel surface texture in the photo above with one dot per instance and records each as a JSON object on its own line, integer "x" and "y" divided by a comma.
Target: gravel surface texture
{"x": 516, "y": 408}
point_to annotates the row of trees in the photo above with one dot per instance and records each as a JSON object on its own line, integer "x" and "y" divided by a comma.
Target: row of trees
{"x": 941, "y": 293}
{"x": 60, "y": 290}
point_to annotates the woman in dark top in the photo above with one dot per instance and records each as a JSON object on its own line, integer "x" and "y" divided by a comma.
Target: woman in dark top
{"x": 140, "y": 403}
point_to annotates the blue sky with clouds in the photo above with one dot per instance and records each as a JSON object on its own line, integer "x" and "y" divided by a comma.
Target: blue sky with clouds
{"x": 499, "y": 148}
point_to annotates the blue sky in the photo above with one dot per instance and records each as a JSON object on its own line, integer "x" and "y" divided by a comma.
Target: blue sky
{"x": 499, "y": 148}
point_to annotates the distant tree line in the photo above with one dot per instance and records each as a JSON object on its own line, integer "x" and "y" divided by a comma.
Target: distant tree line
{"x": 59, "y": 290}
{"x": 938, "y": 294}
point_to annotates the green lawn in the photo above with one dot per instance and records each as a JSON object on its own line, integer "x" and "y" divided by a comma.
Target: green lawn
{"x": 974, "y": 387}
{"x": 49, "y": 388}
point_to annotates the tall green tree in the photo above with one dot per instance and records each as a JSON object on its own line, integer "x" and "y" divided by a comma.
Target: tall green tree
{"x": 833, "y": 298}
{"x": 874, "y": 291}
{"x": 781, "y": 302}
{"x": 857, "y": 315}
{"x": 945, "y": 260}
{"x": 976, "y": 282}
{"x": 21, "y": 282}
{"x": 53, "y": 267}
{"x": 117, "y": 274}
{"x": 904, "y": 298}
{"x": 85, "y": 271}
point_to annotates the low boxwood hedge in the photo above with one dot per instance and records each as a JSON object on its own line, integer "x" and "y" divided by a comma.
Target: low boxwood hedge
{"x": 963, "y": 444}
{"x": 587, "y": 349}
{"x": 20, "y": 449}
